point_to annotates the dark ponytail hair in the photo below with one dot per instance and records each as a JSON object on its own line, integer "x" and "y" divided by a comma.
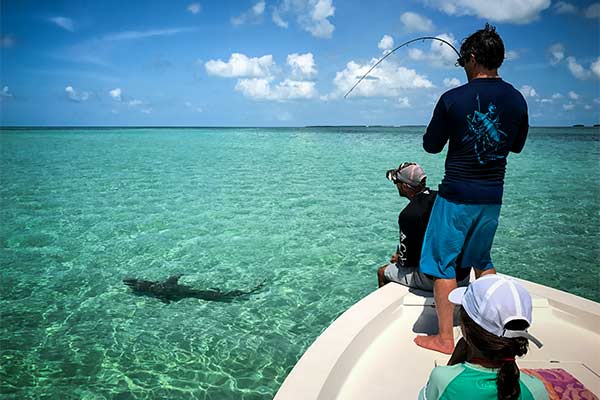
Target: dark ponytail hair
{"x": 498, "y": 349}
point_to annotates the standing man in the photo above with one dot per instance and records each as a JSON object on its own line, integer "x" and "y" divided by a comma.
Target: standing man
{"x": 482, "y": 121}
{"x": 411, "y": 182}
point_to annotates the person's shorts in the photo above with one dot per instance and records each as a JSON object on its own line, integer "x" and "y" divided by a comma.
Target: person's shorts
{"x": 413, "y": 278}
{"x": 454, "y": 228}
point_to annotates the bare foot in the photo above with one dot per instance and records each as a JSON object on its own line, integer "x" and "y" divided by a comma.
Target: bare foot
{"x": 435, "y": 343}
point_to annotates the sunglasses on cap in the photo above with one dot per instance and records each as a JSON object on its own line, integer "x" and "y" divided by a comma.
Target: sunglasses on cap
{"x": 393, "y": 174}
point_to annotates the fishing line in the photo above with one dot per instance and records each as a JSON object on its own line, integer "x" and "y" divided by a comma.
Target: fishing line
{"x": 396, "y": 48}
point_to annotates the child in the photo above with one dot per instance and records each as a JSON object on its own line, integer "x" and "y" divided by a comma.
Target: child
{"x": 494, "y": 318}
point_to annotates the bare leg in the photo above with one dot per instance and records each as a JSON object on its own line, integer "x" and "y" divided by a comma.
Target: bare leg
{"x": 381, "y": 281}
{"x": 479, "y": 273}
{"x": 444, "y": 340}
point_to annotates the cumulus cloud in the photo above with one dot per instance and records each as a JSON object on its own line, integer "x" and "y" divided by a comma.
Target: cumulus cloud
{"x": 312, "y": 16}
{"x": 595, "y": 67}
{"x": 76, "y": 95}
{"x": 252, "y": 16}
{"x": 303, "y": 65}
{"x": 528, "y": 91}
{"x": 115, "y": 94}
{"x": 511, "y": 55}
{"x": 241, "y": 66}
{"x": 7, "y": 41}
{"x": 573, "y": 95}
{"x": 135, "y": 102}
{"x": 508, "y": 11}
{"x": 386, "y": 43}
{"x": 261, "y": 89}
{"x": 577, "y": 70}
{"x": 557, "y": 53}
{"x": 63, "y": 22}
{"x": 451, "y": 82}
{"x": 592, "y": 11}
{"x": 440, "y": 54}
{"x": 414, "y": 22}
{"x": 557, "y": 96}
{"x": 562, "y": 7}
{"x": 403, "y": 102}
{"x": 568, "y": 107}
{"x": 387, "y": 80}
{"x": 194, "y": 8}
{"x": 5, "y": 92}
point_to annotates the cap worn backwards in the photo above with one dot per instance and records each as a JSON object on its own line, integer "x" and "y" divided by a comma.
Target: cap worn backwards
{"x": 492, "y": 301}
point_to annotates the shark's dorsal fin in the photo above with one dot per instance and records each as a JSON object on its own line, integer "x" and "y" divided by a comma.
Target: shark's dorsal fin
{"x": 172, "y": 280}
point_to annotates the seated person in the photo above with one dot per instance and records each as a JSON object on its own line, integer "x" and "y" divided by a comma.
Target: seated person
{"x": 494, "y": 316}
{"x": 411, "y": 181}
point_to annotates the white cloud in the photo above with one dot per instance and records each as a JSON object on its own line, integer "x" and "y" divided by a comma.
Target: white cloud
{"x": 546, "y": 101}
{"x": 587, "y": 107}
{"x": 573, "y": 95}
{"x": 312, "y": 15}
{"x": 576, "y": 69}
{"x": 278, "y": 20}
{"x": 386, "y": 43}
{"x": 510, "y": 11}
{"x": 562, "y": 7}
{"x": 557, "y": 52}
{"x": 115, "y": 94}
{"x": 63, "y": 22}
{"x": 440, "y": 54}
{"x": 146, "y": 110}
{"x": 5, "y": 92}
{"x": 595, "y": 68}
{"x": 414, "y": 22}
{"x": 528, "y": 91}
{"x": 387, "y": 80}
{"x": 76, "y": 95}
{"x": 303, "y": 65}
{"x": 252, "y": 16}
{"x": 135, "y": 102}
{"x": 194, "y": 8}
{"x": 241, "y": 66}
{"x": 451, "y": 82}
{"x": 593, "y": 11}
{"x": 7, "y": 41}
{"x": 403, "y": 102}
{"x": 511, "y": 55}
{"x": 557, "y": 96}
{"x": 261, "y": 89}
{"x": 568, "y": 107}
{"x": 133, "y": 35}
{"x": 189, "y": 105}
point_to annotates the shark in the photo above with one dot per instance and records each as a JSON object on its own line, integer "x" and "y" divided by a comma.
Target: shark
{"x": 171, "y": 290}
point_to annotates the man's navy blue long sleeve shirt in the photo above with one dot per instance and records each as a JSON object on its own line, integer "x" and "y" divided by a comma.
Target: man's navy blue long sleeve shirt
{"x": 482, "y": 121}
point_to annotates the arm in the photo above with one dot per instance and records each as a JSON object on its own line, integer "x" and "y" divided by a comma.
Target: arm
{"x": 436, "y": 136}
{"x": 519, "y": 142}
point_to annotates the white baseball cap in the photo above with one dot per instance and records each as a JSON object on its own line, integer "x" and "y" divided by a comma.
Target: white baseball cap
{"x": 492, "y": 301}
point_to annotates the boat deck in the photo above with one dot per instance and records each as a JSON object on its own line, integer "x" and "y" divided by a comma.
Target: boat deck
{"x": 368, "y": 352}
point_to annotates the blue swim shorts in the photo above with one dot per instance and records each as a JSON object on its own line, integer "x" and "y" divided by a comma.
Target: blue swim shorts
{"x": 456, "y": 228}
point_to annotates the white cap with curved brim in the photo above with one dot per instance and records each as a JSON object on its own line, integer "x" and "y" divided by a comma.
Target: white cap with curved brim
{"x": 492, "y": 301}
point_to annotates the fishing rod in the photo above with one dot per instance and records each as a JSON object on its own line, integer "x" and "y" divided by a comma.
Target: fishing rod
{"x": 396, "y": 48}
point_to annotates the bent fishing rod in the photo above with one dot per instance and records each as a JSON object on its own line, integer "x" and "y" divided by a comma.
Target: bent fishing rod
{"x": 398, "y": 47}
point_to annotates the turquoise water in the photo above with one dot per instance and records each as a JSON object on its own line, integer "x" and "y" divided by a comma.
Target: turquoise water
{"x": 308, "y": 209}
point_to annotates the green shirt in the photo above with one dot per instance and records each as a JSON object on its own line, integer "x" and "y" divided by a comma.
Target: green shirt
{"x": 468, "y": 381}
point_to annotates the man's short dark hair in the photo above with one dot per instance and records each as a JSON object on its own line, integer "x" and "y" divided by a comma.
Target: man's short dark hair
{"x": 486, "y": 46}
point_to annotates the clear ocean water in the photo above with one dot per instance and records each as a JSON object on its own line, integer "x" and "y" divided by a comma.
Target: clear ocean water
{"x": 309, "y": 210}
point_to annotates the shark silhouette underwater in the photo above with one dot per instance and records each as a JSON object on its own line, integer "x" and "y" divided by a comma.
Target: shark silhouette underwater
{"x": 170, "y": 290}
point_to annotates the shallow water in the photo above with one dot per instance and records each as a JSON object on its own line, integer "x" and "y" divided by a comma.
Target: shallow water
{"x": 308, "y": 209}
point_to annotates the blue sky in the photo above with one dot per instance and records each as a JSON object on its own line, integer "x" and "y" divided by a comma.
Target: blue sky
{"x": 282, "y": 62}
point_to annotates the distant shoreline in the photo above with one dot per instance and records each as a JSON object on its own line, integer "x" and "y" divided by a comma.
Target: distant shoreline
{"x": 23, "y": 127}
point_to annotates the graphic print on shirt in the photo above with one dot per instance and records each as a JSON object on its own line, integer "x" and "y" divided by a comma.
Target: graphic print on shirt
{"x": 484, "y": 130}
{"x": 401, "y": 251}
